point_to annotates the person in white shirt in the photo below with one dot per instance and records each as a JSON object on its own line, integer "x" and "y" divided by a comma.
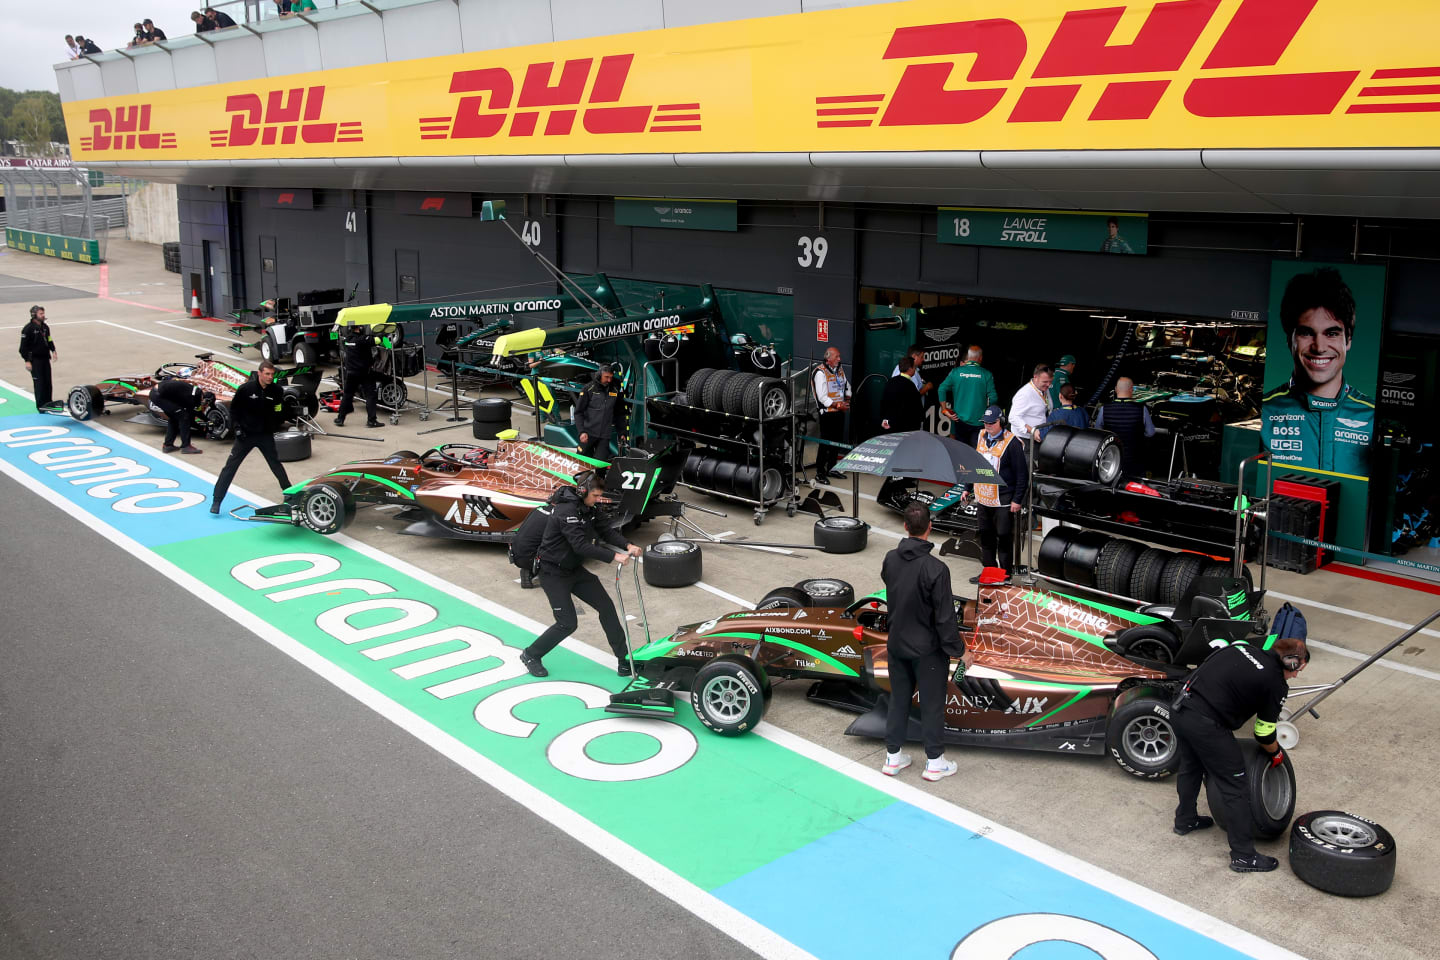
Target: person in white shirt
{"x": 917, "y": 354}
{"x": 72, "y": 49}
{"x": 1030, "y": 407}
{"x": 832, "y": 393}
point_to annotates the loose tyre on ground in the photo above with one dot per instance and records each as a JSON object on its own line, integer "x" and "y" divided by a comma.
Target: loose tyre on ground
{"x": 1141, "y": 738}
{"x": 490, "y": 410}
{"x": 84, "y": 403}
{"x": 326, "y": 509}
{"x": 672, "y": 563}
{"x": 784, "y": 598}
{"x": 1117, "y": 562}
{"x": 1145, "y": 577}
{"x": 217, "y": 422}
{"x": 728, "y": 695}
{"x": 841, "y": 534}
{"x": 1180, "y": 572}
{"x": 292, "y": 445}
{"x": 1271, "y": 792}
{"x": 1342, "y": 854}
{"x": 827, "y": 592}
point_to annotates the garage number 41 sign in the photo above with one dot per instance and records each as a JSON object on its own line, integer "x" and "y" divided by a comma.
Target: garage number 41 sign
{"x": 1091, "y": 232}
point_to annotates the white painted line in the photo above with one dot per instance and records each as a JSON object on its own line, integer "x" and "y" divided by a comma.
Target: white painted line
{"x": 50, "y": 323}
{"x": 699, "y": 902}
{"x": 1388, "y": 664}
{"x": 1358, "y": 614}
{"x": 731, "y": 533}
{"x": 725, "y": 596}
{"x": 147, "y": 333}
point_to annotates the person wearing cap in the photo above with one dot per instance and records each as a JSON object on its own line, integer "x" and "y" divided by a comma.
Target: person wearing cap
{"x": 999, "y": 502}
{"x": 965, "y": 393}
{"x": 1030, "y": 407}
{"x": 596, "y": 410}
{"x": 573, "y": 534}
{"x": 1061, "y": 375}
{"x": 1232, "y": 685}
{"x": 38, "y": 352}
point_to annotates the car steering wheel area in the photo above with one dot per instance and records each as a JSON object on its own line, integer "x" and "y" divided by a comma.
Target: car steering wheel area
{"x": 179, "y": 370}
{"x": 454, "y": 456}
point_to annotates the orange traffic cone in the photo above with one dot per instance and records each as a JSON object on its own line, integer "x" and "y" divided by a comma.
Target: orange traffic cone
{"x": 195, "y": 303}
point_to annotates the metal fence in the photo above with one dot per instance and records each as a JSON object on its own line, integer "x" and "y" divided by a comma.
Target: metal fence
{"x": 59, "y": 200}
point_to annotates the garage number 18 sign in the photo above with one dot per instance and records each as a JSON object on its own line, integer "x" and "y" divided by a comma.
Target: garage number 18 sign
{"x": 1086, "y": 231}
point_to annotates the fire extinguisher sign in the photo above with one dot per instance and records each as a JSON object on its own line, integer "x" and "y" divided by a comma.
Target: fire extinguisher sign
{"x": 822, "y": 330}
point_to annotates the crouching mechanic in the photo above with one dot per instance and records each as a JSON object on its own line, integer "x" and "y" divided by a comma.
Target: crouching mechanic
{"x": 572, "y": 536}
{"x": 1233, "y": 684}
{"x": 924, "y": 635}
{"x": 177, "y": 401}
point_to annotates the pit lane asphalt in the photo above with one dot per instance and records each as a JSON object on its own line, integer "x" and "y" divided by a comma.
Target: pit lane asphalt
{"x": 174, "y": 787}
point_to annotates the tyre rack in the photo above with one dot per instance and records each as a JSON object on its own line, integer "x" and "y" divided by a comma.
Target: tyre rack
{"x": 723, "y": 432}
{"x": 1252, "y": 512}
{"x": 393, "y": 395}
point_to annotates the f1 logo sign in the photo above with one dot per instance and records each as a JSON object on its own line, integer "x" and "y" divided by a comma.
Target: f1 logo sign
{"x": 822, "y": 330}
{"x": 286, "y": 199}
{"x": 433, "y": 203}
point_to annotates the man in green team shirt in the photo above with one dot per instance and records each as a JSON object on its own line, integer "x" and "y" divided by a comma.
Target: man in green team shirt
{"x": 965, "y": 394}
{"x": 1317, "y": 420}
{"x": 1062, "y": 371}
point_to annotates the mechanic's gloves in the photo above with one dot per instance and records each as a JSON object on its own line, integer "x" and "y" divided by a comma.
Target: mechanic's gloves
{"x": 1278, "y": 758}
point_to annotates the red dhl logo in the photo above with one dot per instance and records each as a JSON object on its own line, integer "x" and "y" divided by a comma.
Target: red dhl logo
{"x": 284, "y": 115}
{"x": 484, "y": 114}
{"x": 125, "y": 128}
{"x": 1258, "y": 34}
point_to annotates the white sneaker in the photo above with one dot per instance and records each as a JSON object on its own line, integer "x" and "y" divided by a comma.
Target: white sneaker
{"x": 894, "y": 763}
{"x": 939, "y": 769}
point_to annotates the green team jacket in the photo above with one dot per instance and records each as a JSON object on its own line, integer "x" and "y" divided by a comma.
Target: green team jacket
{"x": 1306, "y": 431}
{"x": 969, "y": 389}
{"x": 1061, "y": 377}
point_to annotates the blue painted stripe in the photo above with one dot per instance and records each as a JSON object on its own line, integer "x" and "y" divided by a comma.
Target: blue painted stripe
{"x": 917, "y": 885}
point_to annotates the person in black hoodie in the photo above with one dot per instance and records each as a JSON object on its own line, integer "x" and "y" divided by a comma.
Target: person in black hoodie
{"x": 38, "y": 351}
{"x": 573, "y": 535}
{"x": 595, "y": 414}
{"x": 924, "y": 634}
{"x": 257, "y": 411}
{"x": 901, "y": 407}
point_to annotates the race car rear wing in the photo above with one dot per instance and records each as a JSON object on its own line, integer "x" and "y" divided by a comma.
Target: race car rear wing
{"x": 603, "y": 331}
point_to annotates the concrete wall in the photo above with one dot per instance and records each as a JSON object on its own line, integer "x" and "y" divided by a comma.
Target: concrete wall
{"x": 153, "y": 214}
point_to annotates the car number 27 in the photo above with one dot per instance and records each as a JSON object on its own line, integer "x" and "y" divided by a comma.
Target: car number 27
{"x": 632, "y": 480}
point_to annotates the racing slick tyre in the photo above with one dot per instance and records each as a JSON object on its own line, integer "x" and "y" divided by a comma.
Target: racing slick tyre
{"x": 784, "y": 598}
{"x": 292, "y": 445}
{"x": 728, "y": 695}
{"x": 1141, "y": 739}
{"x": 705, "y": 473}
{"x": 1271, "y": 793}
{"x": 715, "y": 385}
{"x": 842, "y": 534}
{"x": 217, "y": 422}
{"x": 391, "y": 394}
{"x": 1179, "y": 573}
{"x": 1145, "y": 577}
{"x": 1050, "y": 455}
{"x": 690, "y": 473}
{"x": 84, "y": 403}
{"x": 269, "y": 348}
{"x": 757, "y": 484}
{"x": 1342, "y": 854}
{"x": 1149, "y": 642}
{"x": 326, "y": 509}
{"x": 1117, "y": 562}
{"x": 827, "y": 592}
{"x": 725, "y": 471}
{"x": 765, "y": 399}
{"x": 735, "y": 388}
{"x": 490, "y": 410}
{"x": 672, "y": 563}
{"x": 1092, "y": 455}
{"x": 1052, "y": 549}
{"x": 1082, "y": 556}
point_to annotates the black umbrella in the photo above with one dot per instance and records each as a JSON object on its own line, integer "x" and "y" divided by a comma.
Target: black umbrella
{"x": 920, "y": 455}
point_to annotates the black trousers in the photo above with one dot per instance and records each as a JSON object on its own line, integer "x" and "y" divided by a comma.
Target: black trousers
{"x": 244, "y": 443}
{"x": 177, "y": 421}
{"x": 364, "y": 381}
{"x": 1206, "y": 746}
{"x": 966, "y": 433}
{"x": 561, "y": 587}
{"x": 832, "y": 427}
{"x": 928, "y": 674}
{"x": 997, "y": 537}
{"x": 597, "y": 447}
{"x": 40, "y": 377}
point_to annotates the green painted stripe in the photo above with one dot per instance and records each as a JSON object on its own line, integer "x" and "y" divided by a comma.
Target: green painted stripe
{"x": 379, "y": 480}
{"x": 654, "y": 479}
{"x": 569, "y": 453}
{"x": 656, "y": 648}
{"x": 647, "y": 706}
{"x": 556, "y": 473}
{"x": 1040, "y": 719}
{"x": 1080, "y": 634}
{"x": 297, "y": 487}
{"x": 121, "y": 383}
{"x": 1270, "y": 641}
{"x": 811, "y": 651}
{"x": 1131, "y": 615}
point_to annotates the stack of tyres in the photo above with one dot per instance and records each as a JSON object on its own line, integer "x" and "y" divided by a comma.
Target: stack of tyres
{"x": 489, "y": 417}
{"x": 739, "y": 394}
{"x": 1072, "y": 554}
{"x": 731, "y": 478}
{"x": 1124, "y": 567}
{"x": 171, "y": 253}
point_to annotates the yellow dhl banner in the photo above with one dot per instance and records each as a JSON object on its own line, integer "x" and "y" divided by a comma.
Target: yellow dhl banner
{"x": 923, "y": 75}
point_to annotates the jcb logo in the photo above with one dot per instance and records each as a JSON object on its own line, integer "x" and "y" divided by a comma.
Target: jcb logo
{"x": 1257, "y": 36}
{"x": 487, "y": 109}
{"x": 125, "y": 128}
{"x": 280, "y": 118}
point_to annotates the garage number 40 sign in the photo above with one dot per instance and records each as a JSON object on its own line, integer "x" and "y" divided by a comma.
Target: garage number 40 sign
{"x": 1088, "y": 231}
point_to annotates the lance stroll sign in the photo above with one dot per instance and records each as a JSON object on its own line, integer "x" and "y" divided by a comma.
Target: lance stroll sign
{"x": 1087, "y": 232}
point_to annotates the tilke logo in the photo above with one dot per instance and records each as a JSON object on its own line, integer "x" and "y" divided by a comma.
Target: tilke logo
{"x": 1256, "y": 36}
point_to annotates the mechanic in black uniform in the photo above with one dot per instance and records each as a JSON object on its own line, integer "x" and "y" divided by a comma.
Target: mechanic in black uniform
{"x": 38, "y": 352}
{"x": 924, "y": 634}
{"x": 178, "y": 400}
{"x": 595, "y": 413}
{"x": 573, "y": 536}
{"x": 257, "y": 411}
{"x": 359, "y": 343}
{"x": 525, "y": 548}
{"x": 1232, "y": 685}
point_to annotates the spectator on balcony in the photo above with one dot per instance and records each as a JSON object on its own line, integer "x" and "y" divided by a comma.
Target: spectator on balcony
{"x": 86, "y": 46}
{"x": 282, "y": 7}
{"x": 152, "y": 32}
{"x": 221, "y": 20}
{"x": 302, "y": 6}
{"x": 139, "y": 39}
{"x": 72, "y": 49}
{"x": 202, "y": 23}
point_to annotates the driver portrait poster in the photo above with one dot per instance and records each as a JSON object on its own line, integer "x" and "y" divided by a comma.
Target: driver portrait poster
{"x": 1322, "y": 357}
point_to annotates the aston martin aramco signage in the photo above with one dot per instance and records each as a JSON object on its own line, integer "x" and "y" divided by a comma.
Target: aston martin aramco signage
{"x": 1044, "y": 229}
{"x": 676, "y": 214}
